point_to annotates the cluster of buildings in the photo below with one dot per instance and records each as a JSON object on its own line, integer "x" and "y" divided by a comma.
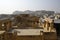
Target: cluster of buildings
{"x": 27, "y": 27}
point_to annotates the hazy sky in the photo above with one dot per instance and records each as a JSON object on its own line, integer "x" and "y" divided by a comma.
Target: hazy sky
{"x": 9, "y": 6}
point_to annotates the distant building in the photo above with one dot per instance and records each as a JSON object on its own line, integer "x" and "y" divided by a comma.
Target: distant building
{"x": 27, "y": 21}
{"x": 57, "y": 26}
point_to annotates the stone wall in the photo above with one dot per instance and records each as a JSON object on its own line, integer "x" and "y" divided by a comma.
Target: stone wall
{"x": 30, "y": 38}
{"x": 50, "y": 36}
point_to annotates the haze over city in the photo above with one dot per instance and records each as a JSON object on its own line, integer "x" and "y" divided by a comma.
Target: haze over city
{"x": 9, "y": 6}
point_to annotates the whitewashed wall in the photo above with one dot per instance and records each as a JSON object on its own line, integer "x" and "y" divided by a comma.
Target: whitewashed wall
{"x": 28, "y": 31}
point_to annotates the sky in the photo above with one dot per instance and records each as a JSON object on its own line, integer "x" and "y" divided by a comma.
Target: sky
{"x": 9, "y": 6}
